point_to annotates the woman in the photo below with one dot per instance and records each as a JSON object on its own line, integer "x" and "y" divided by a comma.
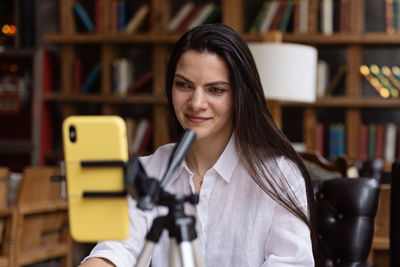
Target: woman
{"x": 255, "y": 204}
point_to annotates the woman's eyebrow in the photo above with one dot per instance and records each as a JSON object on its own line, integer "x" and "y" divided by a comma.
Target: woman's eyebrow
{"x": 207, "y": 84}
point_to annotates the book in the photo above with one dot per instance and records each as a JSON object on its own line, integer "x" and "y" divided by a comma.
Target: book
{"x": 374, "y": 82}
{"x": 303, "y": 16}
{"x": 122, "y": 10}
{"x": 214, "y": 16}
{"x": 396, "y": 14}
{"x": 189, "y": 17}
{"x": 363, "y": 144}
{"x": 380, "y": 135}
{"x": 83, "y": 16}
{"x": 278, "y": 16}
{"x": 78, "y": 76}
{"x": 371, "y": 140}
{"x": 343, "y": 16}
{"x": 130, "y": 133}
{"x": 322, "y": 78}
{"x": 269, "y": 16}
{"x": 140, "y": 82}
{"x": 327, "y": 17}
{"x": 390, "y": 143}
{"x": 92, "y": 79}
{"x": 137, "y": 19}
{"x": 140, "y": 133}
{"x": 389, "y": 16}
{"x": 386, "y": 71}
{"x": 114, "y": 17}
{"x": 255, "y": 27}
{"x": 125, "y": 75}
{"x": 376, "y": 72}
{"x": 177, "y": 19}
{"x": 204, "y": 12}
{"x": 336, "y": 80}
{"x": 287, "y": 13}
{"x": 99, "y": 16}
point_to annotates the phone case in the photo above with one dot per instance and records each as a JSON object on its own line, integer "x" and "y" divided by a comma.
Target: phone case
{"x": 95, "y": 138}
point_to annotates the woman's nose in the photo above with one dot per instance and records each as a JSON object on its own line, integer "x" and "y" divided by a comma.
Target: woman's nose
{"x": 198, "y": 99}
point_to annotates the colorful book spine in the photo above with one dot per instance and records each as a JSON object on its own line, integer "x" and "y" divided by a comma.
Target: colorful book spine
{"x": 363, "y": 144}
{"x": 278, "y": 16}
{"x": 380, "y": 135}
{"x": 255, "y": 27}
{"x": 84, "y": 16}
{"x": 269, "y": 16}
{"x": 180, "y": 16}
{"x": 389, "y": 16}
{"x": 385, "y": 70}
{"x": 287, "y": 13}
{"x": 327, "y": 17}
{"x": 371, "y": 140}
{"x": 137, "y": 19}
{"x": 376, "y": 72}
{"x": 374, "y": 82}
{"x": 390, "y": 143}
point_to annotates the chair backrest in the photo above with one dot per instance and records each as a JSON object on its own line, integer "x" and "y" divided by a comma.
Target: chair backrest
{"x": 395, "y": 215}
{"x": 345, "y": 211}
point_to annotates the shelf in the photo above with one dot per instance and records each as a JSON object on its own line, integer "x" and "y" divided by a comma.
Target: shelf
{"x": 15, "y": 147}
{"x": 100, "y": 99}
{"x": 15, "y": 52}
{"x": 373, "y": 38}
{"x": 349, "y": 102}
{"x": 114, "y": 39}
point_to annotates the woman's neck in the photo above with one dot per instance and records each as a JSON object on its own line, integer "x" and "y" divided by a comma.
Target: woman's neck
{"x": 204, "y": 154}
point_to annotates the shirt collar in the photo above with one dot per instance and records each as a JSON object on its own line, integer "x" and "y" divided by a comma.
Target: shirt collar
{"x": 224, "y": 166}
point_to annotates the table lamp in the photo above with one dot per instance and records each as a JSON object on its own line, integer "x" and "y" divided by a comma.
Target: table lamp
{"x": 287, "y": 71}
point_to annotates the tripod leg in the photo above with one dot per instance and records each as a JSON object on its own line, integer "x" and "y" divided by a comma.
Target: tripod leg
{"x": 186, "y": 251}
{"x": 174, "y": 258}
{"x": 198, "y": 258}
{"x": 145, "y": 255}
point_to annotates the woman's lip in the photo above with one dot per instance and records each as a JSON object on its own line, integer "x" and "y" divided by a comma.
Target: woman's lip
{"x": 194, "y": 118}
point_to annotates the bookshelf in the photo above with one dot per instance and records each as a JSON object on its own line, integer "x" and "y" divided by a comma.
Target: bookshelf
{"x": 239, "y": 14}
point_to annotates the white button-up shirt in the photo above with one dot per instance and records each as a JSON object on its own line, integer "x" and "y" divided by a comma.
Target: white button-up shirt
{"x": 237, "y": 223}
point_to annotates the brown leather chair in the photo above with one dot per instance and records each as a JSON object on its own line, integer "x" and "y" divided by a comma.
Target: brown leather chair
{"x": 345, "y": 210}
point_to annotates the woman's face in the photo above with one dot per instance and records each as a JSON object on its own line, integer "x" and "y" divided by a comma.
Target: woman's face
{"x": 202, "y": 95}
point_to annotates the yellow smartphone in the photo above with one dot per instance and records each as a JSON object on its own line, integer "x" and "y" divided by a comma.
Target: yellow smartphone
{"x": 98, "y": 140}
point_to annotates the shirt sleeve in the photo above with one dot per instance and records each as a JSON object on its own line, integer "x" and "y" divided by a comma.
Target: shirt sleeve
{"x": 289, "y": 241}
{"x": 125, "y": 252}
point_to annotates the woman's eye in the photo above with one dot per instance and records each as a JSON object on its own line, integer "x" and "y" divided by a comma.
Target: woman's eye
{"x": 216, "y": 90}
{"x": 182, "y": 85}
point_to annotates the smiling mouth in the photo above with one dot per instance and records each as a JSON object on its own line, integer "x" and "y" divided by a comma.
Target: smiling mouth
{"x": 195, "y": 119}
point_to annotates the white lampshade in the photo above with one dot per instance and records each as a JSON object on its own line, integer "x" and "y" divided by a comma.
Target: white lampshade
{"x": 287, "y": 71}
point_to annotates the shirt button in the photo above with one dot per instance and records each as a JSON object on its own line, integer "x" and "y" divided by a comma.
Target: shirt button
{"x": 205, "y": 195}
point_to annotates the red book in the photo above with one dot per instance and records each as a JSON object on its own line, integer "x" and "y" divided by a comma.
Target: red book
{"x": 140, "y": 82}
{"x": 380, "y": 133}
{"x": 78, "y": 76}
{"x": 278, "y": 16}
{"x": 186, "y": 21}
{"x": 98, "y": 16}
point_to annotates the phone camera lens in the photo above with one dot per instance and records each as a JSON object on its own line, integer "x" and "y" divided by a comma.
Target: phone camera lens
{"x": 72, "y": 134}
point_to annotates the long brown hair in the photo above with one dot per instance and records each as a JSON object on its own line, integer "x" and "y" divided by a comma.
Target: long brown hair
{"x": 257, "y": 136}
